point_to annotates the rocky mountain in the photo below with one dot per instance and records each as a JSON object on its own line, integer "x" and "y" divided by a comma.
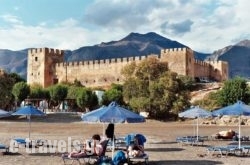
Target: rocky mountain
{"x": 14, "y": 61}
{"x": 237, "y": 56}
{"x": 135, "y": 44}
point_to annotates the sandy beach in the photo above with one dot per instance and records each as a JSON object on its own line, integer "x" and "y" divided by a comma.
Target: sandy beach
{"x": 161, "y": 143}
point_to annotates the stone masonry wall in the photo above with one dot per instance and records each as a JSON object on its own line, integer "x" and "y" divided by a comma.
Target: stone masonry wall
{"x": 46, "y": 67}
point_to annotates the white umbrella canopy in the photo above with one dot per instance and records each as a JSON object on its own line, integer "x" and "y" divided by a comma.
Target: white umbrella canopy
{"x": 195, "y": 112}
{"x": 237, "y": 109}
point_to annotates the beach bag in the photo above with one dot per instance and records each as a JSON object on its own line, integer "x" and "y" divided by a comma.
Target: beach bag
{"x": 119, "y": 158}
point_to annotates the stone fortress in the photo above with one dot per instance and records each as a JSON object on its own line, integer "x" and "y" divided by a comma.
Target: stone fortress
{"x": 47, "y": 67}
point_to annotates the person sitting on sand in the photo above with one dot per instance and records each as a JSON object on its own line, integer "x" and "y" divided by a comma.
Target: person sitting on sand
{"x": 95, "y": 149}
{"x": 135, "y": 149}
{"x": 225, "y": 134}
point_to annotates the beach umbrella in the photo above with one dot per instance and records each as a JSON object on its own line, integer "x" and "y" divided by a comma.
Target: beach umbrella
{"x": 4, "y": 113}
{"x": 195, "y": 112}
{"x": 29, "y": 111}
{"x": 113, "y": 113}
{"x": 237, "y": 109}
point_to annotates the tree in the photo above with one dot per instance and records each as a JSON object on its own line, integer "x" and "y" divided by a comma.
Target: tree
{"x": 20, "y": 90}
{"x": 112, "y": 95}
{"x": 233, "y": 90}
{"x": 58, "y": 93}
{"x": 6, "y": 97}
{"x": 86, "y": 99}
{"x": 151, "y": 87}
{"x": 38, "y": 92}
{"x": 115, "y": 93}
{"x": 16, "y": 78}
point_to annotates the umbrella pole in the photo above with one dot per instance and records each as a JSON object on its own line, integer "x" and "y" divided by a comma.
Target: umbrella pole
{"x": 103, "y": 128}
{"x": 197, "y": 129}
{"x": 29, "y": 125}
{"x": 194, "y": 129}
{"x": 239, "y": 131}
{"x": 113, "y": 147}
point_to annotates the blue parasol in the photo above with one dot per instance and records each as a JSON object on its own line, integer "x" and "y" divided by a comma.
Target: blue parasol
{"x": 28, "y": 111}
{"x": 195, "y": 112}
{"x": 4, "y": 113}
{"x": 112, "y": 113}
{"x": 237, "y": 109}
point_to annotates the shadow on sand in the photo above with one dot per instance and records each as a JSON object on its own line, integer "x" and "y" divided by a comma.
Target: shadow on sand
{"x": 49, "y": 118}
{"x": 185, "y": 162}
{"x": 163, "y": 149}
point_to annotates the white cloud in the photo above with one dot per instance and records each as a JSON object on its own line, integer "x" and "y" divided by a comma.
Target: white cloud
{"x": 11, "y": 19}
{"x": 204, "y": 26}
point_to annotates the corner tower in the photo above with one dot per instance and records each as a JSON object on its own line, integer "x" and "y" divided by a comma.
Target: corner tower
{"x": 41, "y": 66}
{"x": 180, "y": 60}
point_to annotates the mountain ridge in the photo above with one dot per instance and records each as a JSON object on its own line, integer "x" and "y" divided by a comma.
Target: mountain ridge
{"x": 135, "y": 44}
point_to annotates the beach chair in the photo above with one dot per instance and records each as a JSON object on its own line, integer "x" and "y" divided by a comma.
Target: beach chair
{"x": 88, "y": 158}
{"x": 243, "y": 150}
{"x": 141, "y": 140}
{"x": 4, "y": 147}
{"x": 191, "y": 140}
{"x": 222, "y": 150}
{"x": 119, "y": 144}
{"x": 24, "y": 142}
{"x": 20, "y": 142}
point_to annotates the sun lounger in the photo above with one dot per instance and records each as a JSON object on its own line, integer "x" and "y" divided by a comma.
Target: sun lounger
{"x": 18, "y": 142}
{"x": 4, "y": 147}
{"x": 244, "y": 150}
{"x": 191, "y": 140}
{"x": 144, "y": 158}
{"x": 129, "y": 139}
{"x": 120, "y": 143}
{"x": 229, "y": 149}
{"x": 87, "y": 158}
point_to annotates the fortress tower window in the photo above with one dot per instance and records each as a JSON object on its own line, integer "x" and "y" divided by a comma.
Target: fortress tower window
{"x": 36, "y": 58}
{"x": 94, "y": 81}
{"x": 117, "y": 80}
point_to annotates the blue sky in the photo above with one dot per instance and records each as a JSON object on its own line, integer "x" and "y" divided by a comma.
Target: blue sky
{"x": 203, "y": 25}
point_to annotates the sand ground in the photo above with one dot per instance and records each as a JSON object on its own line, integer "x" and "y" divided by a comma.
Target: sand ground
{"x": 161, "y": 145}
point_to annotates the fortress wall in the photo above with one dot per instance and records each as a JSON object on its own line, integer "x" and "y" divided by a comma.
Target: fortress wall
{"x": 202, "y": 69}
{"x": 105, "y": 72}
{"x": 219, "y": 70}
{"x": 93, "y": 73}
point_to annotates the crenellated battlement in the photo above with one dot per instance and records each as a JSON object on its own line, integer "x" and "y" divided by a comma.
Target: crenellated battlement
{"x": 119, "y": 61}
{"x": 216, "y": 62}
{"x": 184, "y": 49}
{"x": 201, "y": 63}
{"x": 47, "y": 66}
{"x": 50, "y": 51}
